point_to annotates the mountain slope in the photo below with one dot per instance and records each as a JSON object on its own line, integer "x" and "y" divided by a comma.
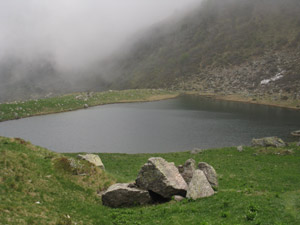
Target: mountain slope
{"x": 224, "y": 46}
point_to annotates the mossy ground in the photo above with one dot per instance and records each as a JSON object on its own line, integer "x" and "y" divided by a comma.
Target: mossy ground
{"x": 256, "y": 186}
{"x": 16, "y": 110}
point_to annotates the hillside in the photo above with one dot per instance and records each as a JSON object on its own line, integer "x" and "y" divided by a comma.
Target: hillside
{"x": 38, "y": 186}
{"x": 225, "y": 46}
{"x": 256, "y": 186}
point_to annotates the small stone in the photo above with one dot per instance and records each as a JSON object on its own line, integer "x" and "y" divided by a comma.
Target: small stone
{"x": 296, "y": 133}
{"x": 298, "y": 144}
{"x": 178, "y": 198}
{"x": 86, "y": 106}
{"x": 195, "y": 151}
{"x": 240, "y": 148}
{"x": 289, "y": 152}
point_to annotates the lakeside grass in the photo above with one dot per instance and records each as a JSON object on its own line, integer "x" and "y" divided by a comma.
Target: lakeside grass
{"x": 256, "y": 186}
{"x": 74, "y": 101}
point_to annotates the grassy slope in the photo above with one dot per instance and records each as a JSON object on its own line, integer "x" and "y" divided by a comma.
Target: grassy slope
{"x": 75, "y": 101}
{"x": 30, "y": 174}
{"x": 265, "y": 187}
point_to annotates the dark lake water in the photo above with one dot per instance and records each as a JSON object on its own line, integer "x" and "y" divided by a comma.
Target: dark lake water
{"x": 172, "y": 125}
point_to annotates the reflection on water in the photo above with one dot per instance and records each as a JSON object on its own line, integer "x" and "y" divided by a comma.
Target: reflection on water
{"x": 172, "y": 125}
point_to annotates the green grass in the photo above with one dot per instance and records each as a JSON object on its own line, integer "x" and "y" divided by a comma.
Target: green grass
{"x": 35, "y": 187}
{"x": 16, "y": 110}
{"x": 256, "y": 186}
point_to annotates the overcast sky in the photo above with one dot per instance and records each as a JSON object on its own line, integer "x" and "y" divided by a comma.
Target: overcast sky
{"x": 77, "y": 32}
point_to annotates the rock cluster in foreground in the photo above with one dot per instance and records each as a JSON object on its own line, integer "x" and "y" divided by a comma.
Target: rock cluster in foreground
{"x": 159, "y": 181}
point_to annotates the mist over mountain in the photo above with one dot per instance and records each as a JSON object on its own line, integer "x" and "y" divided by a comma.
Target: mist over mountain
{"x": 59, "y": 46}
{"x": 226, "y": 46}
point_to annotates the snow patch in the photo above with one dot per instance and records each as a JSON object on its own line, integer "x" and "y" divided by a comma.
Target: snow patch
{"x": 276, "y": 77}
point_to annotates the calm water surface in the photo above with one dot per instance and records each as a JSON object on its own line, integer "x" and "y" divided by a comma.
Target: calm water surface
{"x": 166, "y": 126}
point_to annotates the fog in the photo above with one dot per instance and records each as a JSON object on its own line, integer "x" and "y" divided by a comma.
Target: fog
{"x": 64, "y": 38}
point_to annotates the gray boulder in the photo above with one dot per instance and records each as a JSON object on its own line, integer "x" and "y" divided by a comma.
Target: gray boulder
{"x": 93, "y": 159}
{"x": 268, "y": 142}
{"x": 162, "y": 178}
{"x": 210, "y": 173}
{"x": 125, "y": 195}
{"x": 199, "y": 186}
{"x": 187, "y": 170}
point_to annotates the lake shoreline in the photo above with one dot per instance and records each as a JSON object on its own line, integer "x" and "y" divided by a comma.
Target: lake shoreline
{"x": 77, "y": 101}
{"x": 125, "y": 96}
{"x": 240, "y": 98}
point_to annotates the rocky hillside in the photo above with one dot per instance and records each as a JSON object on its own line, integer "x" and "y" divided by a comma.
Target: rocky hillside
{"x": 225, "y": 46}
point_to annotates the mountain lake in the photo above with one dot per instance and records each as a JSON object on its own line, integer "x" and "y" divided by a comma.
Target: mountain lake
{"x": 179, "y": 124}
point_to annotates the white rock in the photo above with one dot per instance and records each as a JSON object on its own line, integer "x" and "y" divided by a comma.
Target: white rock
{"x": 92, "y": 158}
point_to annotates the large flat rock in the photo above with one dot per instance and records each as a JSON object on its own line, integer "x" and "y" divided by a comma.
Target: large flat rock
{"x": 161, "y": 177}
{"x": 125, "y": 195}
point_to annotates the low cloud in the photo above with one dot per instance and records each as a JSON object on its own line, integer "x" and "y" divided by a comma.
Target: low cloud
{"x": 76, "y": 33}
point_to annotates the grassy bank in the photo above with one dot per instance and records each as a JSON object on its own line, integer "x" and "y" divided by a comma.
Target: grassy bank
{"x": 257, "y": 186}
{"x": 70, "y": 102}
